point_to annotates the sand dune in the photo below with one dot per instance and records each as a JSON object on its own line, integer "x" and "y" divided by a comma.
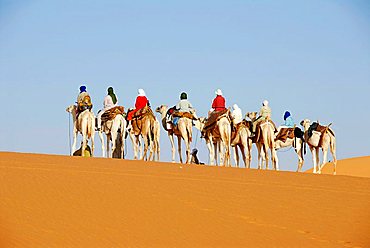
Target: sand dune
{"x": 359, "y": 167}
{"x": 60, "y": 201}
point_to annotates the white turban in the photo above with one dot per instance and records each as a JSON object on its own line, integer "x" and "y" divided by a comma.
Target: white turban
{"x": 218, "y": 92}
{"x": 141, "y": 92}
{"x": 265, "y": 103}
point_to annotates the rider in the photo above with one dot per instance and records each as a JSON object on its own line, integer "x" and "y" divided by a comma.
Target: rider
{"x": 288, "y": 120}
{"x": 265, "y": 113}
{"x": 83, "y": 100}
{"x": 236, "y": 115}
{"x": 219, "y": 102}
{"x": 183, "y": 106}
{"x": 141, "y": 102}
{"x": 110, "y": 101}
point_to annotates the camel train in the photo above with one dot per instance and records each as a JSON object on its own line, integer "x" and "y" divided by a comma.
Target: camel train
{"x": 220, "y": 135}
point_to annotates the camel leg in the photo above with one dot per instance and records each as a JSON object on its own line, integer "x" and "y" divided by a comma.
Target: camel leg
{"x": 217, "y": 152}
{"x": 248, "y": 158}
{"x": 275, "y": 158}
{"x": 300, "y": 159}
{"x": 313, "y": 151}
{"x": 108, "y": 148}
{"x": 179, "y": 147}
{"x": 84, "y": 144}
{"x": 172, "y": 147}
{"x": 133, "y": 141}
{"x": 244, "y": 155}
{"x": 260, "y": 155}
{"x": 123, "y": 146}
{"x": 333, "y": 154}
{"x": 324, "y": 157}
{"x": 236, "y": 155}
{"x": 146, "y": 147}
{"x": 317, "y": 150}
{"x": 102, "y": 143}
{"x": 92, "y": 143}
{"x": 299, "y": 150}
{"x": 210, "y": 147}
{"x": 74, "y": 141}
{"x": 266, "y": 157}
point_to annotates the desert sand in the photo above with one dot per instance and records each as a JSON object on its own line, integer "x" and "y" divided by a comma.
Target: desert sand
{"x": 358, "y": 167}
{"x": 61, "y": 201}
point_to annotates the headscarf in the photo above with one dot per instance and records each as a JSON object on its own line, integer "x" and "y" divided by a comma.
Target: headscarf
{"x": 183, "y": 96}
{"x": 141, "y": 92}
{"x": 112, "y": 95}
{"x": 82, "y": 88}
{"x": 218, "y": 92}
{"x": 286, "y": 115}
{"x": 235, "y": 106}
{"x": 265, "y": 103}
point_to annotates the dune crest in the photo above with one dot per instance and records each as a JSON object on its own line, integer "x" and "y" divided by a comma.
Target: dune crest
{"x": 358, "y": 167}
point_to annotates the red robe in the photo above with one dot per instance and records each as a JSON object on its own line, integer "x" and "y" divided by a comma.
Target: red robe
{"x": 218, "y": 103}
{"x": 141, "y": 102}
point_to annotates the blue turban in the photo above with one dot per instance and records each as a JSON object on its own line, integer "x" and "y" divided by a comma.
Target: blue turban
{"x": 286, "y": 115}
{"x": 82, "y": 88}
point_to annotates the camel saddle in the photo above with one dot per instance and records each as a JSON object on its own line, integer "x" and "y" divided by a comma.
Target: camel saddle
{"x": 183, "y": 114}
{"x": 138, "y": 118}
{"x": 315, "y": 126}
{"x": 213, "y": 118}
{"x": 84, "y": 104}
{"x": 110, "y": 114}
{"x": 285, "y": 133}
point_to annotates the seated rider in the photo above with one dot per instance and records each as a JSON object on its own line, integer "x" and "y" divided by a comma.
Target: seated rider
{"x": 110, "y": 101}
{"x": 265, "y": 113}
{"x": 83, "y": 100}
{"x": 141, "y": 102}
{"x": 183, "y": 106}
{"x": 236, "y": 115}
{"x": 288, "y": 121}
{"x": 219, "y": 102}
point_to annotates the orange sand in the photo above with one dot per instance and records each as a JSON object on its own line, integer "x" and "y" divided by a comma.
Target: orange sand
{"x": 60, "y": 201}
{"x": 358, "y": 167}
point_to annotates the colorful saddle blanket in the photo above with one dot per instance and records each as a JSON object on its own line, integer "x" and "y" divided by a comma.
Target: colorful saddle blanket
{"x": 110, "y": 114}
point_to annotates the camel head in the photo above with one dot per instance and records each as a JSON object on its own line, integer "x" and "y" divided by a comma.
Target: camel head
{"x": 71, "y": 108}
{"x": 161, "y": 109}
{"x": 199, "y": 123}
{"x": 305, "y": 124}
{"x": 251, "y": 115}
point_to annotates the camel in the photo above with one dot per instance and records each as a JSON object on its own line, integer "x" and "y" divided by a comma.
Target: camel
{"x": 298, "y": 145}
{"x": 320, "y": 140}
{"x": 142, "y": 126}
{"x": 265, "y": 142}
{"x": 154, "y": 146}
{"x": 183, "y": 130}
{"x": 220, "y": 136}
{"x": 242, "y": 141}
{"x": 114, "y": 130}
{"x": 84, "y": 124}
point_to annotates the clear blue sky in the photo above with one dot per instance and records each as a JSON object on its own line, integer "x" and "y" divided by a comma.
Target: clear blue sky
{"x": 309, "y": 57}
